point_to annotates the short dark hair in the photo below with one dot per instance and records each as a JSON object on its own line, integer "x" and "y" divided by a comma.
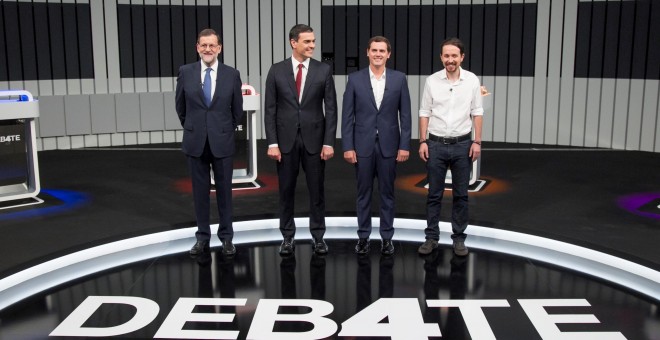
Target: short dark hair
{"x": 453, "y": 41}
{"x": 207, "y": 32}
{"x": 380, "y": 38}
{"x": 295, "y": 31}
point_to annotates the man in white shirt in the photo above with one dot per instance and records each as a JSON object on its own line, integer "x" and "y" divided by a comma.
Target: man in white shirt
{"x": 451, "y": 108}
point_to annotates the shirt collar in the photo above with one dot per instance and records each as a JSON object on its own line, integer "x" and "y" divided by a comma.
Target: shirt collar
{"x": 214, "y": 67}
{"x": 373, "y": 76}
{"x": 295, "y": 63}
{"x": 461, "y": 75}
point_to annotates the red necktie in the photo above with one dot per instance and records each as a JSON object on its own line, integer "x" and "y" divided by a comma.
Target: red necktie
{"x": 299, "y": 79}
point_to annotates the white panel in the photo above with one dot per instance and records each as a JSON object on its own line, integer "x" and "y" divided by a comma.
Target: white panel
{"x": 650, "y": 117}
{"x": 167, "y": 84}
{"x": 606, "y": 113}
{"x": 414, "y": 86}
{"x": 302, "y": 11}
{"x": 499, "y": 108}
{"x": 141, "y": 85}
{"x": 554, "y": 72}
{"x": 513, "y": 110}
{"x": 103, "y": 113}
{"x": 4, "y": 85}
{"x": 156, "y": 137}
{"x": 153, "y": 85}
{"x": 290, "y": 18}
{"x": 77, "y": 142}
{"x": 98, "y": 47}
{"x": 112, "y": 47}
{"x": 32, "y": 86}
{"x": 526, "y": 103}
{"x": 540, "y": 66}
{"x": 91, "y": 141}
{"x": 179, "y": 136}
{"x": 171, "y": 118}
{"x": 63, "y": 143}
{"x": 51, "y": 116}
{"x": 77, "y": 115}
{"x": 281, "y": 47}
{"x": 169, "y": 136}
{"x": 45, "y": 87}
{"x": 127, "y": 85}
{"x": 620, "y": 113}
{"x": 489, "y": 115}
{"x": 104, "y": 140}
{"x": 87, "y": 86}
{"x": 255, "y": 81}
{"x": 315, "y": 22}
{"x": 117, "y": 139}
{"x": 73, "y": 86}
{"x": 130, "y": 138}
{"x": 229, "y": 45}
{"x": 241, "y": 43}
{"x": 253, "y": 50}
{"x": 18, "y": 84}
{"x": 49, "y": 143}
{"x": 579, "y": 111}
{"x": 593, "y": 111}
{"x": 128, "y": 112}
{"x": 143, "y": 138}
{"x": 635, "y": 114}
{"x": 340, "y": 86}
{"x": 568, "y": 64}
{"x": 152, "y": 112}
{"x": 59, "y": 86}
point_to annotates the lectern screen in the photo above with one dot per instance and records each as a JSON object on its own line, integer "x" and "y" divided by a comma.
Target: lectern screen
{"x": 13, "y": 152}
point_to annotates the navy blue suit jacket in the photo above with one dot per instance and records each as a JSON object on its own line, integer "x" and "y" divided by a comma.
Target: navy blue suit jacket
{"x": 216, "y": 122}
{"x": 361, "y": 119}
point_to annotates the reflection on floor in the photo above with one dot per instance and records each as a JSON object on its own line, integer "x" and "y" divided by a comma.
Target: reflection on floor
{"x": 277, "y": 291}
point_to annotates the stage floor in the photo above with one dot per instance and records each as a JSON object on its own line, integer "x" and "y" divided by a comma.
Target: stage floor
{"x": 552, "y": 232}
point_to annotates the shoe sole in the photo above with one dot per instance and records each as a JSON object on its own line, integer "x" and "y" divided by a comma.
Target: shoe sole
{"x": 423, "y": 252}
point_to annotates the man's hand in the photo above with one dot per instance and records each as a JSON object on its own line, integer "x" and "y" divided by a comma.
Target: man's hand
{"x": 424, "y": 152}
{"x": 475, "y": 151}
{"x": 327, "y": 152}
{"x": 274, "y": 153}
{"x": 350, "y": 156}
{"x": 402, "y": 156}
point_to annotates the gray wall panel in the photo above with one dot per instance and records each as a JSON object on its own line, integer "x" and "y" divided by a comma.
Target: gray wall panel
{"x": 606, "y": 113}
{"x": 579, "y": 111}
{"x": 526, "y": 101}
{"x": 593, "y": 109}
{"x": 51, "y": 116}
{"x": 633, "y": 133}
{"x": 128, "y": 112}
{"x": 171, "y": 119}
{"x": 621, "y": 103}
{"x": 103, "y": 113}
{"x": 77, "y": 115}
{"x": 650, "y": 119}
{"x": 513, "y": 110}
{"x": 152, "y": 112}
{"x": 499, "y": 109}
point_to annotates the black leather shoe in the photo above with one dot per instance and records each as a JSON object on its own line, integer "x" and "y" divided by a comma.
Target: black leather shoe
{"x": 228, "y": 248}
{"x": 387, "y": 248}
{"x": 288, "y": 246}
{"x": 320, "y": 248}
{"x": 362, "y": 246}
{"x": 199, "y": 247}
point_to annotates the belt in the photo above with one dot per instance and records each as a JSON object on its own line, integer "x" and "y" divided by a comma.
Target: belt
{"x": 449, "y": 140}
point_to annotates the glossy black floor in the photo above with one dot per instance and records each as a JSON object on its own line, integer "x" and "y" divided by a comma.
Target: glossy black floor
{"x": 597, "y": 199}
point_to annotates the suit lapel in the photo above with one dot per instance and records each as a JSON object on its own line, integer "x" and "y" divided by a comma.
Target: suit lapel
{"x": 366, "y": 79}
{"x": 218, "y": 82}
{"x": 291, "y": 78}
{"x": 197, "y": 72}
{"x": 311, "y": 72}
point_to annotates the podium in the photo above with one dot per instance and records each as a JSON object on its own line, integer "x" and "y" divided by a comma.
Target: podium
{"x": 19, "y": 168}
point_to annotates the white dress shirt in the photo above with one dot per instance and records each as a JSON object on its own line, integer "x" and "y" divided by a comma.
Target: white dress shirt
{"x": 378, "y": 86}
{"x": 214, "y": 75}
{"x": 295, "y": 63}
{"x": 451, "y": 106}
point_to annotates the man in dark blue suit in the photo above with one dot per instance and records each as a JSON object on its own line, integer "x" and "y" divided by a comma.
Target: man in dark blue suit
{"x": 209, "y": 103}
{"x": 375, "y": 136}
{"x": 300, "y": 117}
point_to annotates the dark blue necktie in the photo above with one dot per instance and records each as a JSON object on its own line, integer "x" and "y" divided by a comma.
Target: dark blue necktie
{"x": 207, "y": 86}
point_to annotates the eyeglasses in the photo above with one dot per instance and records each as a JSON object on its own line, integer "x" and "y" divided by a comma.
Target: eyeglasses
{"x": 205, "y": 46}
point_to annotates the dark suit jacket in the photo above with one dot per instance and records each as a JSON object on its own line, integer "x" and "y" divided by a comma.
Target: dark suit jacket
{"x": 283, "y": 113}
{"x": 216, "y": 122}
{"x": 361, "y": 118}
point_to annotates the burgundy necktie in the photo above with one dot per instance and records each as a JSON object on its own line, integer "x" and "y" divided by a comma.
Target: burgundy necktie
{"x": 299, "y": 79}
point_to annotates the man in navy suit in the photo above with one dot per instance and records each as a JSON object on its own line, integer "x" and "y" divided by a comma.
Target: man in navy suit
{"x": 300, "y": 132}
{"x": 375, "y": 136}
{"x": 209, "y": 103}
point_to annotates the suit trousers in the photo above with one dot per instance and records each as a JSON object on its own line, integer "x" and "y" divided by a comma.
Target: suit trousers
{"x": 384, "y": 168}
{"x": 201, "y": 183}
{"x": 287, "y": 172}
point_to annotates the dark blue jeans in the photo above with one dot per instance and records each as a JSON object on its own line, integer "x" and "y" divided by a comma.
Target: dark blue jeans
{"x": 455, "y": 157}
